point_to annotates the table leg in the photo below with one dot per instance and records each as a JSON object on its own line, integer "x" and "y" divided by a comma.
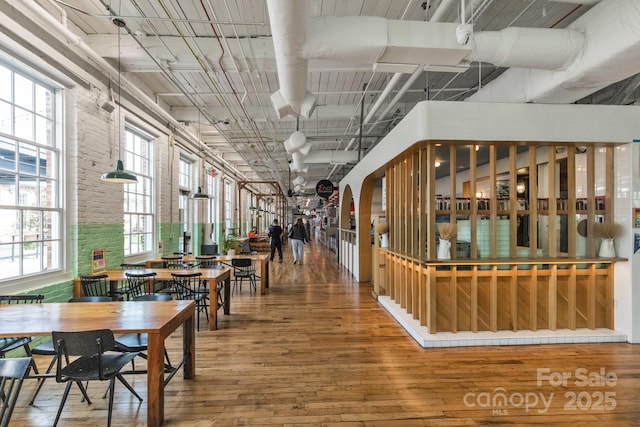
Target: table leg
{"x": 189, "y": 346}
{"x": 213, "y": 305}
{"x": 263, "y": 277}
{"x": 155, "y": 379}
{"x": 227, "y": 295}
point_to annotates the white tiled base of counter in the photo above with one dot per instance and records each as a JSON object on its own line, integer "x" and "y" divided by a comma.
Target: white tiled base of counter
{"x": 466, "y": 339}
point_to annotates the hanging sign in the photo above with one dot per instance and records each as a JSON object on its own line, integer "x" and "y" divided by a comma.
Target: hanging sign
{"x": 324, "y": 188}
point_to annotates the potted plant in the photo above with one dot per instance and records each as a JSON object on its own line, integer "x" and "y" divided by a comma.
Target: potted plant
{"x": 447, "y": 231}
{"x": 607, "y": 232}
{"x": 231, "y": 244}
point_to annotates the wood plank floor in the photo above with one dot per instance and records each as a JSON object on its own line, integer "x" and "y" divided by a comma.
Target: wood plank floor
{"x": 318, "y": 350}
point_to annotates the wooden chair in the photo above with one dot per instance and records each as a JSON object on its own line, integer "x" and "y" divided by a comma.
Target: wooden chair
{"x": 95, "y": 361}
{"x": 12, "y": 374}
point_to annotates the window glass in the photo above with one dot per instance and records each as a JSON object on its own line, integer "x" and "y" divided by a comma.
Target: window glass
{"x": 138, "y": 198}
{"x": 31, "y": 214}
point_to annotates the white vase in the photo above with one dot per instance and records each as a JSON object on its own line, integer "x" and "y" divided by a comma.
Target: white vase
{"x": 607, "y": 249}
{"x": 384, "y": 240}
{"x": 444, "y": 249}
{"x": 231, "y": 252}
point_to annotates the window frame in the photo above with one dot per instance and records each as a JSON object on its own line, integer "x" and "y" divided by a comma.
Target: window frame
{"x": 44, "y": 146}
{"x": 139, "y": 160}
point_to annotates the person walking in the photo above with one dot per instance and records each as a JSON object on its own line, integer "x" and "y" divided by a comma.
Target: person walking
{"x": 297, "y": 236}
{"x": 275, "y": 233}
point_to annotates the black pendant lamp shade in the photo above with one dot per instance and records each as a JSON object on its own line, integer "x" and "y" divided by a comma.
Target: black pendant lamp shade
{"x": 199, "y": 195}
{"x": 119, "y": 175}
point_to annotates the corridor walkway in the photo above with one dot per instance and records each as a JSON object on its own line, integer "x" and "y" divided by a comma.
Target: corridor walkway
{"x": 318, "y": 350}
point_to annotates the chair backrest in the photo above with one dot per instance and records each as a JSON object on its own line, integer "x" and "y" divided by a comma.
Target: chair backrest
{"x": 12, "y": 373}
{"x": 245, "y": 248}
{"x": 91, "y": 299}
{"x": 137, "y": 282}
{"x": 241, "y": 262}
{"x": 172, "y": 261}
{"x": 153, "y": 297}
{"x": 97, "y": 285}
{"x": 83, "y": 343}
{"x": 131, "y": 266}
{"x": 21, "y": 299}
{"x": 187, "y": 284}
{"x": 206, "y": 261}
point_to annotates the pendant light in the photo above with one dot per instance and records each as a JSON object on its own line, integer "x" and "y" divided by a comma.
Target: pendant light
{"x": 200, "y": 195}
{"x": 119, "y": 175}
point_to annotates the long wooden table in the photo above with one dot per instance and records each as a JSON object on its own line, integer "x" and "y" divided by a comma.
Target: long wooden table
{"x": 158, "y": 319}
{"x": 262, "y": 259}
{"x": 212, "y": 275}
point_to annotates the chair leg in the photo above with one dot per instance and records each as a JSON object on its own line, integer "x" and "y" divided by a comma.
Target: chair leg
{"x": 112, "y": 386}
{"x": 41, "y": 380}
{"x": 128, "y": 386}
{"x": 62, "y": 402}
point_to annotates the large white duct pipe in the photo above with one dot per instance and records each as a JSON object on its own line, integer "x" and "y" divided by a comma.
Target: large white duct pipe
{"x": 289, "y": 30}
{"x": 542, "y": 48}
{"x": 332, "y": 157}
{"x": 611, "y": 53}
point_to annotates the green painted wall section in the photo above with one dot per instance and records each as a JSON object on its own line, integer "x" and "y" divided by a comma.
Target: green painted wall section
{"x": 96, "y": 236}
{"x": 168, "y": 235}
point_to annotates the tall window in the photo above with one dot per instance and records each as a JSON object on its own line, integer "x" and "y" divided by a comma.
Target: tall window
{"x": 228, "y": 212}
{"x": 185, "y": 168}
{"x": 212, "y": 191}
{"x": 30, "y": 189}
{"x": 138, "y": 201}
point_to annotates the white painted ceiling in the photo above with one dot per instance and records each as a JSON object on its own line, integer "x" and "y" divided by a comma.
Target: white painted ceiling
{"x": 210, "y": 64}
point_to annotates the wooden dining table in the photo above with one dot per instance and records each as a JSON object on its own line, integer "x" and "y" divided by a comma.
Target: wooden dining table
{"x": 212, "y": 275}
{"x": 158, "y": 319}
{"x": 261, "y": 259}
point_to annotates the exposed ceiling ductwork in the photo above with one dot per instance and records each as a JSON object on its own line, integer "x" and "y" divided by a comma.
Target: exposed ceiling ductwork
{"x": 610, "y": 54}
{"x": 601, "y": 47}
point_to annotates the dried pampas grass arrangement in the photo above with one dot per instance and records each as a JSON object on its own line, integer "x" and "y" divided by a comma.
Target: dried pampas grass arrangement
{"x": 606, "y": 230}
{"x": 447, "y": 230}
{"x": 382, "y": 228}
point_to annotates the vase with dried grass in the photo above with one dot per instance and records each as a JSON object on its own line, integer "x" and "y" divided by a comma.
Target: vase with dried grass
{"x": 447, "y": 231}
{"x": 383, "y": 231}
{"x": 607, "y": 232}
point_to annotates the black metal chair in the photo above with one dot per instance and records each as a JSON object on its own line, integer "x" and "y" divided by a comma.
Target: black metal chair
{"x": 96, "y": 361}
{"x": 139, "y": 282}
{"x": 12, "y": 374}
{"x": 98, "y": 286}
{"x": 175, "y": 261}
{"x": 8, "y": 344}
{"x": 206, "y": 261}
{"x": 47, "y": 348}
{"x": 132, "y": 266}
{"x": 188, "y": 286}
{"x": 138, "y": 342}
{"x": 210, "y": 261}
{"x": 243, "y": 269}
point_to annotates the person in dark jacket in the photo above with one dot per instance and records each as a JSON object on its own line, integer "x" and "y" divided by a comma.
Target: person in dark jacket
{"x": 275, "y": 233}
{"x": 298, "y": 237}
